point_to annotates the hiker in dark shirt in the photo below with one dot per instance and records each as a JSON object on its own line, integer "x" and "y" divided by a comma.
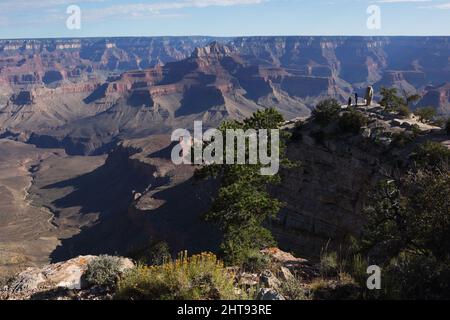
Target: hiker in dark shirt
{"x": 356, "y": 99}
{"x": 349, "y": 102}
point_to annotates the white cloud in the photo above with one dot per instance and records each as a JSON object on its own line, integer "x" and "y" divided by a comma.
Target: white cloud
{"x": 14, "y": 5}
{"x": 156, "y": 8}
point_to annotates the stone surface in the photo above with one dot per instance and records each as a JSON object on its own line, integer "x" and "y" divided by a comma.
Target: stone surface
{"x": 64, "y": 275}
{"x": 269, "y": 294}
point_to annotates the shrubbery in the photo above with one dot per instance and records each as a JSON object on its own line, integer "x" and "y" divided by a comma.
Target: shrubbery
{"x": 200, "y": 277}
{"x": 326, "y": 111}
{"x": 243, "y": 204}
{"x": 352, "y": 121}
{"x": 408, "y": 234}
{"x": 425, "y": 114}
{"x": 432, "y": 155}
{"x": 390, "y": 100}
{"x": 404, "y": 111}
{"x": 255, "y": 262}
{"x": 155, "y": 253}
{"x": 329, "y": 263}
{"x": 103, "y": 271}
{"x": 292, "y": 289}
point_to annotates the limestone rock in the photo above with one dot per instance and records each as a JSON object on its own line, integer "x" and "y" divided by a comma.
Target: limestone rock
{"x": 249, "y": 279}
{"x": 285, "y": 274}
{"x": 269, "y": 280}
{"x": 65, "y": 275}
{"x": 269, "y": 294}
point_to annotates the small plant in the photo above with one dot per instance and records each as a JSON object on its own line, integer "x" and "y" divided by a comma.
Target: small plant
{"x": 155, "y": 253}
{"x": 432, "y": 155}
{"x": 438, "y": 122}
{"x": 416, "y": 130}
{"x": 404, "y": 111}
{"x": 426, "y": 114}
{"x": 200, "y": 277}
{"x": 293, "y": 290}
{"x": 352, "y": 122}
{"x": 103, "y": 271}
{"x": 400, "y": 139}
{"x": 329, "y": 263}
{"x": 255, "y": 262}
{"x": 326, "y": 111}
{"x": 343, "y": 288}
{"x": 390, "y": 99}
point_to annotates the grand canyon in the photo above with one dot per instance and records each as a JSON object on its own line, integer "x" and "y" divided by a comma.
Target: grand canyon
{"x": 85, "y": 130}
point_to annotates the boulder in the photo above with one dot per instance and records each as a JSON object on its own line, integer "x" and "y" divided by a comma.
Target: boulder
{"x": 268, "y": 280}
{"x": 269, "y": 294}
{"x": 249, "y": 279}
{"x": 285, "y": 274}
{"x": 63, "y": 275}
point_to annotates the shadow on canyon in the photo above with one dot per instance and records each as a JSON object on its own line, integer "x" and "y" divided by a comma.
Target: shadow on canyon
{"x": 121, "y": 228}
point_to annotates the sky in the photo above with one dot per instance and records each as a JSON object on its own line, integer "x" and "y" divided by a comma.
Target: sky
{"x": 92, "y": 18}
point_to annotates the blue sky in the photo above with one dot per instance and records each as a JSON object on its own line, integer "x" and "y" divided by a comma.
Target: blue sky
{"x": 47, "y": 18}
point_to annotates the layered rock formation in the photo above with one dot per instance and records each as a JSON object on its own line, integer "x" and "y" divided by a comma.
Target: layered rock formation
{"x": 84, "y": 94}
{"x": 437, "y": 97}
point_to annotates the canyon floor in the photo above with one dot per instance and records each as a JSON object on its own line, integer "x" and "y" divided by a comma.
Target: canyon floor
{"x": 55, "y": 206}
{"x": 29, "y": 232}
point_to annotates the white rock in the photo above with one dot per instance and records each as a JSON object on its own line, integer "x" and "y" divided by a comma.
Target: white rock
{"x": 65, "y": 275}
{"x": 269, "y": 294}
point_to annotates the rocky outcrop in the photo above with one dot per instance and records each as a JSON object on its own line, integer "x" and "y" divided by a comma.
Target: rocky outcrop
{"x": 326, "y": 194}
{"x": 437, "y": 97}
{"x": 137, "y": 86}
{"x": 66, "y": 275}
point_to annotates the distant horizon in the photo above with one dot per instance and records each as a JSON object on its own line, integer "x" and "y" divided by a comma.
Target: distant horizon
{"x": 229, "y": 37}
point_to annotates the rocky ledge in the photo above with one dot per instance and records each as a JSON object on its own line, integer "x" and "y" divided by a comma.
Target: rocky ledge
{"x": 59, "y": 281}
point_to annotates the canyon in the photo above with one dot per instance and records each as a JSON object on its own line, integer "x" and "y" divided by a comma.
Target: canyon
{"x": 85, "y": 135}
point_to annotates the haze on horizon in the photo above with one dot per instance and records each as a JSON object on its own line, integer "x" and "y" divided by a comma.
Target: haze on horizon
{"x": 47, "y": 18}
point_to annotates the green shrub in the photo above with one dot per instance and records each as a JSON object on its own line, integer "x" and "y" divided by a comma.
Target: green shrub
{"x": 438, "y": 122}
{"x": 200, "y": 277}
{"x": 255, "y": 262}
{"x": 357, "y": 267}
{"x": 416, "y": 130}
{"x": 413, "y": 276}
{"x": 352, "y": 121}
{"x": 407, "y": 235}
{"x": 426, "y": 114}
{"x": 390, "y": 100}
{"x": 432, "y": 155}
{"x": 155, "y": 253}
{"x": 329, "y": 263}
{"x": 103, "y": 271}
{"x": 400, "y": 139}
{"x": 326, "y": 111}
{"x": 343, "y": 288}
{"x": 293, "y": 290}
{"x": 404, "y": 111}
{"x": 239, "y": 244}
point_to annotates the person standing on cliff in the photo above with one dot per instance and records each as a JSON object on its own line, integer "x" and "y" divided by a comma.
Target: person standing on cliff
{"x": 350, "y": 101}
{"x": 356, "y": 99}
